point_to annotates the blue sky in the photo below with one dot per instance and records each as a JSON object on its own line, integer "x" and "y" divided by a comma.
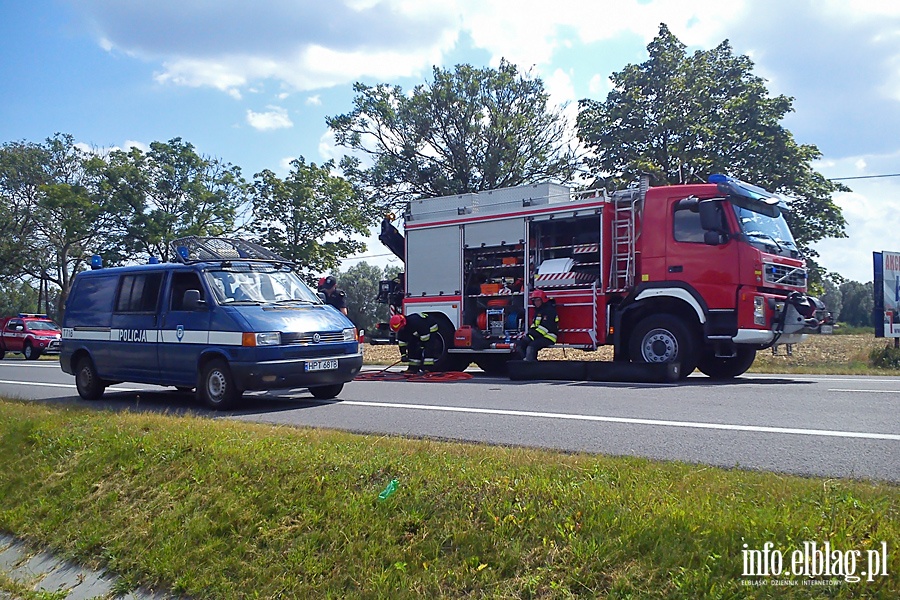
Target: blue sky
{"x": 252, "y": 82}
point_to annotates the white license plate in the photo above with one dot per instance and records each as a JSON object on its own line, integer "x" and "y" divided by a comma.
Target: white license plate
{"x": 321, "y": 365}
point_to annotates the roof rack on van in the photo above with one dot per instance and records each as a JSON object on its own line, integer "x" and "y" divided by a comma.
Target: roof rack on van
{"x": 193, "y": 249}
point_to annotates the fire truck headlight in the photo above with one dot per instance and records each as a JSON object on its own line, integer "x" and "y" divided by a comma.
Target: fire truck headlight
{"x": 759, "y": 310}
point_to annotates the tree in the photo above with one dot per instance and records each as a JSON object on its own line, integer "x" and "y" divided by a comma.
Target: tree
{"x": 682, "y": 118}
{"x": 310, "y": 217}
{"x": 172, "y": 192}
{"x": 466, "y": 131}
{"x": 858, "y": 302}
{"x": 360, "y": 283}
{"x": 23, "y": 170}
{"x": 832, "y": 298}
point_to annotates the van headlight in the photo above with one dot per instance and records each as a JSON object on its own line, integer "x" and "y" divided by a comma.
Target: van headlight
{"x": 265, "y": 338}
{"x": 350, "y": 334}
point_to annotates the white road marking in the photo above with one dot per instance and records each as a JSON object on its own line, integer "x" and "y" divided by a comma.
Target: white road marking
{"x": 865, "y": 391}
{"x": 564, "y": 416}
{"x": 625, "y": 420}
{"x": 70, "y": 385}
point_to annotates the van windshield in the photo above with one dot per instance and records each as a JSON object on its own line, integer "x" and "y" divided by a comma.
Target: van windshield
{"x": 253, "y": 284}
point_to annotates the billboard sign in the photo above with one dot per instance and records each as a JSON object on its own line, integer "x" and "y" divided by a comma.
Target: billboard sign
{"x": 887, "y": 294}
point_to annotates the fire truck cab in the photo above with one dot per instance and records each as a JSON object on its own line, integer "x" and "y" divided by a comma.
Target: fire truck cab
{"x": 704, "y": 275}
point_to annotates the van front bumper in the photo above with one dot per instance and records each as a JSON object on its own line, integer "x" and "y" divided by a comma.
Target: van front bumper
{"x": 280, "y": 374}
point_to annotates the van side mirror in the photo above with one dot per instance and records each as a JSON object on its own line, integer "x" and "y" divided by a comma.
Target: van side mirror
{"x": 192, "y": 300}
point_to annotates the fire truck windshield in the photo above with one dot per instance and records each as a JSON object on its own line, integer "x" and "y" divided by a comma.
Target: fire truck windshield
{"x": 770, "y": 234}
{"x": 43, "y": 326}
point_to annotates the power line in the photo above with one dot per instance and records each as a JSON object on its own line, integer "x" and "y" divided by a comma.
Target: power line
{"x": 863, "y": 177}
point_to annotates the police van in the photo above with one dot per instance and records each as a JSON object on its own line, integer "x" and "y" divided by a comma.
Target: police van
{"x": 229, "y": 316}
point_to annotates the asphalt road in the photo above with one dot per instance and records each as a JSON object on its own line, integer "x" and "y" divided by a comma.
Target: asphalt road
{"x": 831, "y": 426}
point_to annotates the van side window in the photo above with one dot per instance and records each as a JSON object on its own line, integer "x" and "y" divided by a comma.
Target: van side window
{"x": 139, "y": 293}
{"x": 182, "y": 282}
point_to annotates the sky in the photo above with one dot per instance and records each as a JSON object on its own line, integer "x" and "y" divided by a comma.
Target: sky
{"x": 253, "y": 82}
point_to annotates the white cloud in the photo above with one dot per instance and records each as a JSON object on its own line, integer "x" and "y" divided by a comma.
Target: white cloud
{"x": 314, "y": 100}
{"x": 276, "y": 118}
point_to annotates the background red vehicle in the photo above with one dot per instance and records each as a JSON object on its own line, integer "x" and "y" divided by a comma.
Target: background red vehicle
{"x": 28, "y": 334}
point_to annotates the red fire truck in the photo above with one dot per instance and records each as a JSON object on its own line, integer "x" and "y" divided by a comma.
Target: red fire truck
{"x": 704, "y": 274}
{"x": 29, "y": 334}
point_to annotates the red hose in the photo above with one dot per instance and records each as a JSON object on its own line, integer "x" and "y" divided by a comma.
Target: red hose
{"x": 429, "y": 376}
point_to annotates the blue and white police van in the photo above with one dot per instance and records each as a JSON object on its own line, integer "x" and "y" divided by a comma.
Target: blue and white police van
{"x": 229, "y": 316}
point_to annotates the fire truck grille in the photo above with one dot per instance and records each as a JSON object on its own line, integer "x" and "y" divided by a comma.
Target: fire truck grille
{"x": 307, "y": 339}
{"x": 785, "y": 275}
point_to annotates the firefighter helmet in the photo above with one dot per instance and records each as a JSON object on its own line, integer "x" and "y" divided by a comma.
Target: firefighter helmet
{"x": 398, "y": 322}
{"x": 539, "y": 295}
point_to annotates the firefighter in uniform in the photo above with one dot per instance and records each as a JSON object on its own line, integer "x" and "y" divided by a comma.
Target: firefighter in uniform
{"x": 543, "y": 330}
{"x": 333, "y": 296}
{"x": 414, "y": 334}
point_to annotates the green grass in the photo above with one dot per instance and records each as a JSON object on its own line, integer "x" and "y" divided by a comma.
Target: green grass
{"x": 222, "y": 509}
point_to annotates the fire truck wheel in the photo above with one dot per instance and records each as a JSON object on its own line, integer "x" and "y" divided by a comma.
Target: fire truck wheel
{"x": 87, "y": 382}
{"x": 661, "y": 339}
{"x": 727, "y": 368}
{"x": 492, "y": 364}
{"x": 438, "y": 348}
{"x": 29, "y": 352}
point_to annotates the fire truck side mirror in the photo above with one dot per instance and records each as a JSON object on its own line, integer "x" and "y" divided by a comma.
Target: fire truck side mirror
{"x": 714, "y": 238}
{"x": 710, "y": 216}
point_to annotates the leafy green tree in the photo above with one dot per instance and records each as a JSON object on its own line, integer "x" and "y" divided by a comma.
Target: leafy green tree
{"x": 858, "y": 302}
{"x": 24, "y": 168}
{"x": 360, "y": 283}
{"x": 684, "y": 117}
{"x": 18, "y": 296}
{"x": 467, "y": 130}
{"x": 171, "y": 192}
{"x": 311, "y": 217}
{"x": 833, "y": 298}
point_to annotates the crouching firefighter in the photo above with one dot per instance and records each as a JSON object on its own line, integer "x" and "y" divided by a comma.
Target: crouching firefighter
{"x": 543, "y": 330}
{"x": 414, "y": 332}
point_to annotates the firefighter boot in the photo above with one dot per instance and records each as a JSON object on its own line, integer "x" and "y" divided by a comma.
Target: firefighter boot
{"x": 531, "y": 353}
{"x": 411, "y": 370}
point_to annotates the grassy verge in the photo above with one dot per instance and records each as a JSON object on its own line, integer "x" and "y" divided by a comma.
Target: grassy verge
{"x": 220, "y": 509}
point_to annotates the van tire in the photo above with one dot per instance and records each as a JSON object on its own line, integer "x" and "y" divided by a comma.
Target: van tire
{"x": 87, "y": 382}
{"x": 217, "y": 388}
{"x": 664, "y": 338}
{"x": 29, "y": 352}
{"x": 326, "y": 392}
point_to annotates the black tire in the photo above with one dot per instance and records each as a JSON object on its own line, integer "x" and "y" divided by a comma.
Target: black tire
{"x": 438, "y": 347}
{"x": 216, "y": 388}
{"x": 661, "y": 339}
{"x": 2, "y": 354}
{"x": 87, "y": 382}
{"x": 29, "y": 352}
{"x": 727, "y": 368}
{"x": 326, "y": 392}
{"x": 493, "y": 364}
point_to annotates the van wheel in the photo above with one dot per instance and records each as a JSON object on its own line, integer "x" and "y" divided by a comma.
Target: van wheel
{"x": 663, "y": 339}
{"x": 326, "y": 392}
{"x": 29, "y": 352}
{"x": 217, "y": 388}
{"x": 87, "y": 382}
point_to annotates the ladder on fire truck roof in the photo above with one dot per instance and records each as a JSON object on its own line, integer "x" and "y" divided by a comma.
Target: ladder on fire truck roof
{"x": 622, "y": 264}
